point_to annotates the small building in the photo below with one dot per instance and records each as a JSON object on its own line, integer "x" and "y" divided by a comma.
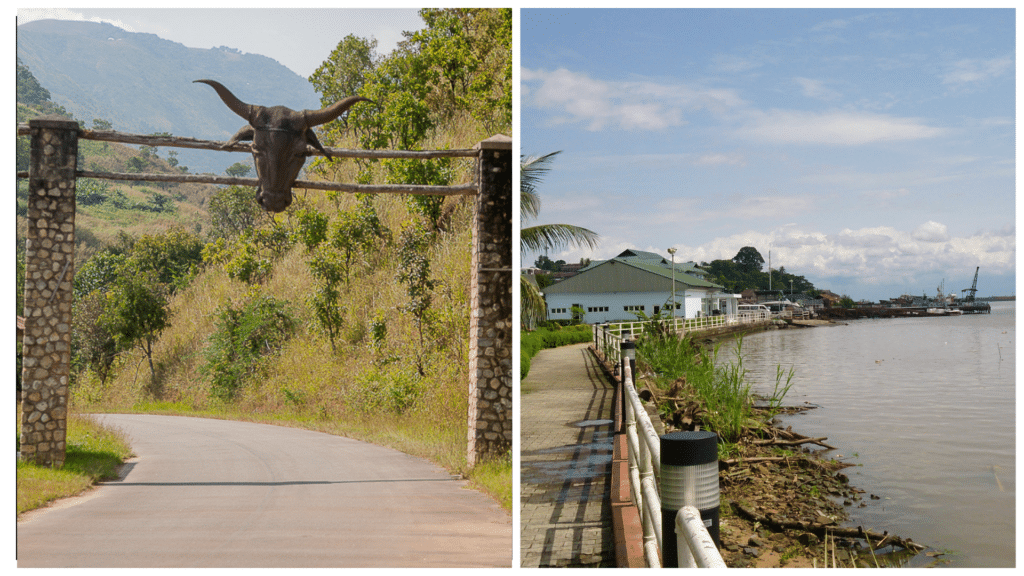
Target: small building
{"x": 633, "y": 282}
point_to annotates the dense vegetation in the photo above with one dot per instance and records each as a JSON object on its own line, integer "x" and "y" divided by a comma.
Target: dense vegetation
{"x": 348, "y": 313}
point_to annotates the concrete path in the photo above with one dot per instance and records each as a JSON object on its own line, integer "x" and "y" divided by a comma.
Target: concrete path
{"x": 566, "y": 452}
{"x": 218, "y": 493}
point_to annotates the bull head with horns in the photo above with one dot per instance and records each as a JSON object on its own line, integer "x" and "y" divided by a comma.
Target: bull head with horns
{"x": 279, "y": 138}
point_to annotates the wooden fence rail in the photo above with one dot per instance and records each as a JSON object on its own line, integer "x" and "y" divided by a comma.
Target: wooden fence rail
{"x": 468, "y": 189}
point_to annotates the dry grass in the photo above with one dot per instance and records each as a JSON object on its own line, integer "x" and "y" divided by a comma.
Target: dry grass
{"x": 350, "y": 391}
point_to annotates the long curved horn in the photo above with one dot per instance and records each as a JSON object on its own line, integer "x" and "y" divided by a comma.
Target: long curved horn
{"x": 237, "y": 106}
{"x": 325, "y": 115}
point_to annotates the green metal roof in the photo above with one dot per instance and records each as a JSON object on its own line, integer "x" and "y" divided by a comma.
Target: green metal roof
{"x": 649, "y": 275}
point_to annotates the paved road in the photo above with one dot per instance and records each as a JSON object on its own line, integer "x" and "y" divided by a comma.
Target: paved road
{"x": 217, "y": 493}
{"x": 565, "y": 467}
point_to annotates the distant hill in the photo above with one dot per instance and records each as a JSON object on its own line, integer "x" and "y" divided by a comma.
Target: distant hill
{"x": 142, "y": 83}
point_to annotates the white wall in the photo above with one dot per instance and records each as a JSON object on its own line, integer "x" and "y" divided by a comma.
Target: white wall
{"x": 613, "y": 301}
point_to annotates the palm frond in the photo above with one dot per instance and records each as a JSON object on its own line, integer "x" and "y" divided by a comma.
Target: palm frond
{"x": 531, "y": 170}
{"x": 547, "y": 236}
{"x": 531, "y": 304}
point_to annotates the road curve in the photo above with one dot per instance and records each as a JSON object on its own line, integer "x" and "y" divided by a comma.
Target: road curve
{"x": 220, "y": 493}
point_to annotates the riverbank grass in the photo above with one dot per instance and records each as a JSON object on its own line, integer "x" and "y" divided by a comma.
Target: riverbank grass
{"x": 93, "y": 454}
{"x": 685, "y": 369}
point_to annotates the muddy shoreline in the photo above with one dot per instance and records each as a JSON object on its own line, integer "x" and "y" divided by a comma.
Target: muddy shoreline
{"x": 786, "y": 503}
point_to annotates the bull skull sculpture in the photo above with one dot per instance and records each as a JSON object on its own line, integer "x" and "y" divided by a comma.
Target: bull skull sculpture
{"x": 279, "y": 138}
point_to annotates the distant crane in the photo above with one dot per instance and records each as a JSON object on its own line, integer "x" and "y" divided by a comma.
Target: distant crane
{"x": 974, "y": 287}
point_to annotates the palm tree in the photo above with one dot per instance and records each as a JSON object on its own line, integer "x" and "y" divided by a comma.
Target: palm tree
{"x": 543, "y": 236}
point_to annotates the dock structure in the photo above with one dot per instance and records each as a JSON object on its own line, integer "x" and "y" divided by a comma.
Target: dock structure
{"x": 901, "y": 312}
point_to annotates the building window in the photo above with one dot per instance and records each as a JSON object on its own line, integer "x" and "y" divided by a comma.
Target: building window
{"x": 559, "y": 310}
{"x": 639, "y": 308}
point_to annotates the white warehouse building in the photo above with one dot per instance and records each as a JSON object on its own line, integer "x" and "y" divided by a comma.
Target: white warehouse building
{"x": 636, "y": 281}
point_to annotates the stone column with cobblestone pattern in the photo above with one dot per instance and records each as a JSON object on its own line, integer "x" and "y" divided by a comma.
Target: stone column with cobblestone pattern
{"x": 49, "y": 270}
{"x": 490, "y": 327}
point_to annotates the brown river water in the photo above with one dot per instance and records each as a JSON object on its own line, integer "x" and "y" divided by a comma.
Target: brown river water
{"x": 924, "y": 408}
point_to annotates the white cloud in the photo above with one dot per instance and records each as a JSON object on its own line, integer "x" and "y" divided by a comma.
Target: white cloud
{"x": 627, "y": 105}
{"x": 816, "y": 89}
{"x": 969, "y": 71}
{"x": 26, "y": 15}
{"x": 873, "y": 255}
{"x": 840, "y": 128}
{"x": 735, "y": 64}
{"x": 830, "y": 25}
{"x": 931, "y": 232}
{"x": 717, "y": 158}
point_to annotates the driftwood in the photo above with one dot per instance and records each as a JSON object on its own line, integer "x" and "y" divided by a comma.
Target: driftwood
{"x": 796, "y": 459}
{"x": 790, "y": 438}
{"x": 795, "y": 442}
{"x": 877, "y": 540}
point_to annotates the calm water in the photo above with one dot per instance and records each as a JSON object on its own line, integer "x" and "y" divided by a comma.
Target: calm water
{"x": 925, "y": 408}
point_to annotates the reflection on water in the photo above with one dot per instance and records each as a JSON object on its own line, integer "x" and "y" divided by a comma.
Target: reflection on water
{"x": 925, "y": 408}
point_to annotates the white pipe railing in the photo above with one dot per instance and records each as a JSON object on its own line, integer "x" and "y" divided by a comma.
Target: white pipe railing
{"x": 608, "y": 337}
{"x": 694, "y": 545}
{"x": 644, "y": 447}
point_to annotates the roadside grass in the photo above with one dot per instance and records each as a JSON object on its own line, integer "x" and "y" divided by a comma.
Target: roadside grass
{"x": 93, "y": 454}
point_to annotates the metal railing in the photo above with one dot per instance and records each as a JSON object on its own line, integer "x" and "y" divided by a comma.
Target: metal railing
{"x": 608, "y": 337}
{"x": 695, "y": 546}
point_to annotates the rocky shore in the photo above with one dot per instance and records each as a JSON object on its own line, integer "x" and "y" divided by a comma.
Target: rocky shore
{"x": 784, "y": 499}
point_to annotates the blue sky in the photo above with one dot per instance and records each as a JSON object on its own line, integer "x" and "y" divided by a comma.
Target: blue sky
{"x": 299, "y": 38}
{"x": 871, "y": 151}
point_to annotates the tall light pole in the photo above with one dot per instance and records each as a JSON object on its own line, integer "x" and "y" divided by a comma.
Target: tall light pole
{"x": 672, "y": 253}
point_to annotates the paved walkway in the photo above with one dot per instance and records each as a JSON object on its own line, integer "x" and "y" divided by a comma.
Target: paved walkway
{"x": 566, "y": 452}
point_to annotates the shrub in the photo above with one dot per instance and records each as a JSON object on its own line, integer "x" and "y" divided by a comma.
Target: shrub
{"x": 532, "y": 342}
{"x": 245, "y": 336}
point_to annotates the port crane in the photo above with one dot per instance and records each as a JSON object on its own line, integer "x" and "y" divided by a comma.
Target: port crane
{"x": 974, "y": 287}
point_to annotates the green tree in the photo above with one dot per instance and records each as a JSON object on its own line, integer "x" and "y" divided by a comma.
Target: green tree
{"x": 98, "y": 273}
{"x": 541, "y": 237}
{"x": 173, "y": 256}
{"x": 344, "y": 72}
{"x": 238, "y": 170}
{"x": 232, "y": 210}
{"x": 414, "y": 272}
{"x": 136, "y": 312}
{"x": 467, "y": 55}
{"x": 93, "y": 344}
{"x": 749, "y": 259}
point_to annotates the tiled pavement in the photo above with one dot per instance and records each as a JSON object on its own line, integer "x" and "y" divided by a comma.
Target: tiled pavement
{"x": 566, "y": 452}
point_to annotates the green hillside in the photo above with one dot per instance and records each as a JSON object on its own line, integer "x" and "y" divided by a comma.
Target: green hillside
{"x": 347, "y": 313}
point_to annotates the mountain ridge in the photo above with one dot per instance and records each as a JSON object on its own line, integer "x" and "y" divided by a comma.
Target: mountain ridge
{"x": 143, "y": 83}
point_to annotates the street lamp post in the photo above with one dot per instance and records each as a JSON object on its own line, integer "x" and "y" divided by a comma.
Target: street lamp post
{"x": 672, "y": 253}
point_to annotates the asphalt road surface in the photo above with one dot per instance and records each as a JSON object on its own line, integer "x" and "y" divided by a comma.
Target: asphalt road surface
{"x": 219, "y": 493}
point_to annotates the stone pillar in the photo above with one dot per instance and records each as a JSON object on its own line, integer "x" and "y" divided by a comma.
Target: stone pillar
{"x": 490, "y": 327}
{"x": 49, "y": 270}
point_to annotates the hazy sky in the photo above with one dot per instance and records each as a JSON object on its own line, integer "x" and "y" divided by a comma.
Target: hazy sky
{"x": 871, "y": 151}
{"x": 301, "y": 39}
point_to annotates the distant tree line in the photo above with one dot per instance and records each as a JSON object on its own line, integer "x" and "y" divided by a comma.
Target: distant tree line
{"x": 745, "y": 271}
